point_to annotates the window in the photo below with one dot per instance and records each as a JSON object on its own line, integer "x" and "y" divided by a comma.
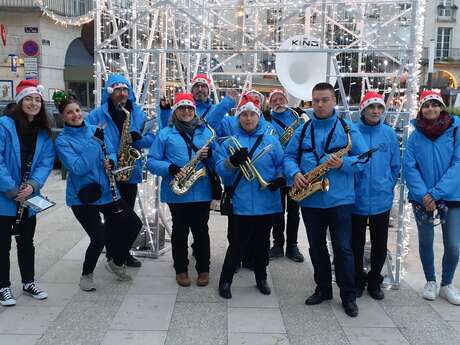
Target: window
{"x": 445, "y": 8}
{"x": 443, "y": 42}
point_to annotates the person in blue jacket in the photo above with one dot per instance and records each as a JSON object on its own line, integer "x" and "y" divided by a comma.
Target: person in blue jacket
{"x": 185, "y": 139}
{"x": 431, "y": 168}
{"x": 26, "y": 160}
{"x": 118, "y": 91}
{"x": 205, "y": 109}
{"x": 374, "y": 193}
{"x": 255, "y": 202}
{"x": 313, "y": 144}
{"x": 281, "y": 118}
{"x": 89, "y": 157}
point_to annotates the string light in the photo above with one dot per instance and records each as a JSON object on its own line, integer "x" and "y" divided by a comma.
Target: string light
{"x": 64, "y": 20}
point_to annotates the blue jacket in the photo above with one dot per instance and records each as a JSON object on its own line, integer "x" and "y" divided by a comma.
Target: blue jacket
{"x": 10, "y": 164}
{"x": 213, "y": 114}
{"x": 433, "y": 166}
{"x": 375, "y": 183}
{"x": 248, "y": 199}
{"x": 341, "y": 191}
{"x": 101, "y": 115}
{"x": 82, "y": 157}
{"x": 170, "y": 148}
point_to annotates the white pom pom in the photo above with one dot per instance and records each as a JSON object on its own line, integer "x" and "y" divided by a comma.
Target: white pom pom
{"x": 41, "y": 89}
{"x": 110, "y": 90}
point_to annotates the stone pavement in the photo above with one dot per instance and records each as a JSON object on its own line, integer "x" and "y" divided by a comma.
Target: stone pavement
{"x": 153, "y": 310}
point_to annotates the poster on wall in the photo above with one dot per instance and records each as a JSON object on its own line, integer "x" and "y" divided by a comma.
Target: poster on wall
{"x": 6, "y": 90}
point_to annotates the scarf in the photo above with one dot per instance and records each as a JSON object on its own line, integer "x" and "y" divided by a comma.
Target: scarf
{"x": 187, "y": 127}
{"x": 433, "y": 129}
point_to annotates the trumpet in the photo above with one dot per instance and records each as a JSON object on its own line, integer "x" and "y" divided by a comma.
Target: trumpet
{"x": 289, "y": 131}
{"x": 248, "y": 169}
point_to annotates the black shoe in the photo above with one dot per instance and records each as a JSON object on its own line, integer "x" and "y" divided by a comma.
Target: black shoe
{"x": 224, "y": 290}
{"x": 293, "y": 253}
{"x": 318, "y": 297}
{"x": 276, "y": 252}
{"x": 131, "y": 261}
{"x": 376, "y": 293}
{"x": 263, "y": 287}
{"x": 351, "y": 309}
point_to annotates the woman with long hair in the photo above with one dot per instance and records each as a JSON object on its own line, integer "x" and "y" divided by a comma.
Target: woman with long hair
{"x": 431, "y": 169}
{"x": 26, "y": 160}
{"x": 91, "y": 190}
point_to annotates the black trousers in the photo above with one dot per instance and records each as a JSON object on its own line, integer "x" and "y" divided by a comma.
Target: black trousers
{"x": 186, "y": 217}
{"x": 293, "y": 219}
{"x": 243, "y": 230}
{"x": 338, "y": 220}
{"x": 248, "y": 251}
{"x": 25, "y": 249}
{"x": 117, "y": 233}
{"x": 378, "y": 227}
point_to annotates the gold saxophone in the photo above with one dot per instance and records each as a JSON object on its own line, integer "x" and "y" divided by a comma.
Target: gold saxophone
{"x": 127, "y": 155}
{"x": 181, "y": 185}
{"x": 316, "y": 181}
{"x": 289, "y": 131}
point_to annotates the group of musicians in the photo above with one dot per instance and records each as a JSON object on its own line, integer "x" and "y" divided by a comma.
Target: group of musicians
{"x": 339, "y": 174}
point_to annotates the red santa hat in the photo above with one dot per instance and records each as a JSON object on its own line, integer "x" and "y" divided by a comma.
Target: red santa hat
{"x": 28, "y": 87}
{"x": 201, "y": 78}
{"x": 183, "y": 100}
{"x": 369, "y": 98}
{"x": 430, "y": 95}
{"x": 249, "y": 103}
{"x": 274, "y": 92}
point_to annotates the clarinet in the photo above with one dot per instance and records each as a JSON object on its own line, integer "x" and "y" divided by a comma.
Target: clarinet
{"x": 21, "y": 207}
{"x": 110, "y": 175}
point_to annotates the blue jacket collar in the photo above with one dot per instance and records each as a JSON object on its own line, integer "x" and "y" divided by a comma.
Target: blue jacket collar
{"x": 324, "y": 122}
{"x": 76, "y": 131}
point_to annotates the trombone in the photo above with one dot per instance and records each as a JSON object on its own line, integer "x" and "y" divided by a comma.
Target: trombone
{"x": 248, "y": 169}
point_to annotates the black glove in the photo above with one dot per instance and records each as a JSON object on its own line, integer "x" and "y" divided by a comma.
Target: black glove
{"x": 135, "y": 136}
{"x": 278, "y": 182}
{"x": 209, "y": 153}
{"x": 112, "y": 163}
{"x": 99, "y": 134}
{"x": 174, "y": 169}
{"x": 239, "y": 156}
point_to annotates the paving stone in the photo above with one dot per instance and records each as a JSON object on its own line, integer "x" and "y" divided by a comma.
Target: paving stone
{"x": 65, "y": 271}
{"x": 199, "y": 323}
{"x": 154, "y": 285}
{"x": 257, "y": 339}
{"x": 134, "y": 337}
{"x": 155, "y": 268}
{"x": 144, "y": 313}
{"x": 27, "y": 320}
{"x": 19, "y": 339}
{"x": 423, "y": 326}
{"x": 374, "y": 336}
{"x": 455, "y": 325}
{"x": 405, "y": 296}
{"x": 446, "y": 310}
{"x": 248, "y": 297}
{"x": 255, "y": 320}
{"x": 59, "y": 295}
{"x": 78, "y": 251}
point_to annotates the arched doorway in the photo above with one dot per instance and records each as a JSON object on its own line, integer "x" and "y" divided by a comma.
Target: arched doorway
{"x": 444, "y": 79}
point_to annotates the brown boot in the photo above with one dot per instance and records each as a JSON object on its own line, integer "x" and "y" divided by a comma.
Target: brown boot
{"x": 183, "y": 279}
{"x": 203, "y": 279}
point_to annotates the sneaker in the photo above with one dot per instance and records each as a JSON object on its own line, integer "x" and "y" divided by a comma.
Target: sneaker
{"x": 87, "y": 282}
{"x": 293, "y": 253}
{"x": 6, "y": 297}
{"x": 430, "y": 291}
{"x": 450, "y": 294}
{"x": 131, "y": 261}
{"x": 118, "y": 271}
{"x": 276, "y": 252}
{"x": 33, "y": 290}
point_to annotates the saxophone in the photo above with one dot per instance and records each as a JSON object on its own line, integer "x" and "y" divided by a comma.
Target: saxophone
{"x": 315, "y": 179}
{"x": 181, "y": 185}
{"x": 289, "y": 131}
{"x": 127, "y": 155}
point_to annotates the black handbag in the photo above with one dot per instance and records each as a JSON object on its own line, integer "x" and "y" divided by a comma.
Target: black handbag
{"x": 90, "y": 193}
{"x": 216, "y": 186}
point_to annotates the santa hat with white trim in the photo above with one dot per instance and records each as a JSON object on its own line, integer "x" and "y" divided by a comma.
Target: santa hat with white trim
{"x": 183, "y": 99}
{"x": 28, "y": 87}
{"x": 369, "y": 98}
{"x": 203, "y": 79}
{"x": 249, "y": 103}
{"x": 430, "y": 95}
{"x": 274, "y": 92}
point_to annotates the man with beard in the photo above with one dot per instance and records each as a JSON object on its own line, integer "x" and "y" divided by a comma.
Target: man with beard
{"x": 116, "y": 95}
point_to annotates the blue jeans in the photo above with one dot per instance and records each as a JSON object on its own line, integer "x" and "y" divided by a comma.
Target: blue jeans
{"x": 451, "y": 241}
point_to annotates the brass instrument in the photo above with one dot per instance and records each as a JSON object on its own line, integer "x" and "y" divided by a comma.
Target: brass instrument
{"x": 316, "y": 181}
{"x": 289, "y": 131}
{"x": 181, "y": 185}
{"x": 248, "y": 169}
{"x": 127, "y": 155}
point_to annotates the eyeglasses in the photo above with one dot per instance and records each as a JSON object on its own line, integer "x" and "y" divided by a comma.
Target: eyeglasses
{"x": 437, "y": 217}
{"x": 432, "y": 104}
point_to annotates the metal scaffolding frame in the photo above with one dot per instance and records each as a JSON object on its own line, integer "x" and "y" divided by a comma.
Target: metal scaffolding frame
{"x": 160, "y": 44}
